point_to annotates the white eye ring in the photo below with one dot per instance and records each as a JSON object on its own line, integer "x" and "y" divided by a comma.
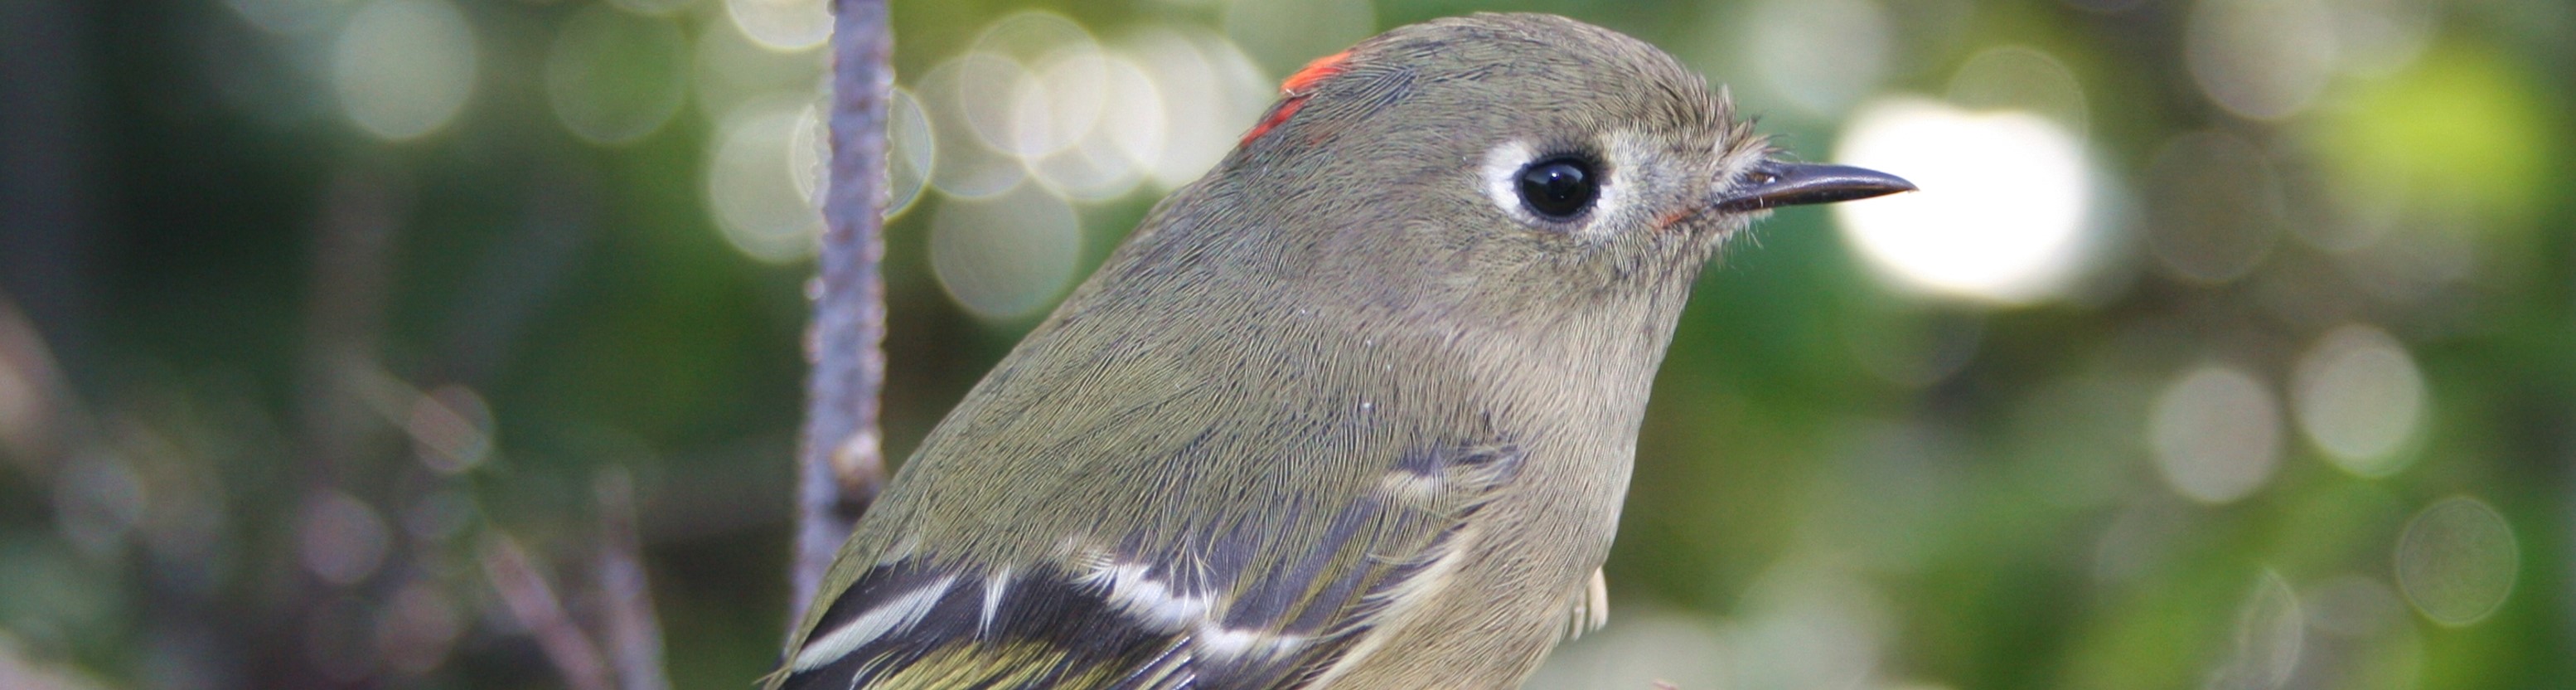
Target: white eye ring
{"x": 1502, "y": 172}
{"x": 1501, "y": 175}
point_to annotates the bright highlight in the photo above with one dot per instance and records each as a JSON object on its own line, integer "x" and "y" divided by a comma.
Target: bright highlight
{"x": 2001, "y": 215}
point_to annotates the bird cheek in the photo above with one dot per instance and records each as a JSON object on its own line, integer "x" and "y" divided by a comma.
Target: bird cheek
{"x": 1665, "y": 223}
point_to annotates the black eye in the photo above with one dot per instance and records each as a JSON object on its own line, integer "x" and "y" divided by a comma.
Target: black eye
{"x": 1559, "y": 188}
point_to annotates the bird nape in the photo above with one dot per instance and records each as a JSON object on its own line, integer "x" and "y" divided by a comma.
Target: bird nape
{"x": 1355, "y": 410}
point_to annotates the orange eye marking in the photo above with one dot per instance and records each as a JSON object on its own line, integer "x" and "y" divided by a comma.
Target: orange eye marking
{"x": 1296, "y": 89}
{"x": 1669, "y": 219}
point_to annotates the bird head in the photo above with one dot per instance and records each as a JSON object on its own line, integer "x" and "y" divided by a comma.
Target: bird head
{"x": 1499, "y": 164}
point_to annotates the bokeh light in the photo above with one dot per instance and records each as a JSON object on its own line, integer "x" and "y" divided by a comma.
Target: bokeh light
{"x": 2270, "y": 628}
{"x": 1107, "y": 158}
{"x": 728, "y": 69}
{"x": 2261, "y": 59}
{"x": 2216, "y": 433}
{"x": 403, "y": 68}
{"x": 809, "y": 150}
{"x": 2359, "y": 398}
{"x": 2362, "y": 635}
{"x": 1005, "y": 256}
{"x": 911, "y": 151}
{"x": 1809, "y": 622}
{"x": 1642, "y": 648}
{"x": 1013, "y": 108}
{"x": 965, "y": 166}
{"x": 1216, "y": 93}
{"x": 1059, "y": 102}
{"x": 342, "y": 539}
{"x": 2003, "y": 211}
{"x": 1038, "y": 98}
{"x": 2214, "y": 206}
{"x": 2456, "y": 561}
{"x": 782, "y": 24}
{"x": 614, "y": 77}
{"x": 760, "y": 179}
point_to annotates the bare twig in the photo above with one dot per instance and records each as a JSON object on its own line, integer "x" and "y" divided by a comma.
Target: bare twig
{"x": 839, "y": 463}
{"x": 634, "y": 635}
{"x": 344, "y": 317}
{"x": 344, "y": 311}
{"x": 533, "y": 602}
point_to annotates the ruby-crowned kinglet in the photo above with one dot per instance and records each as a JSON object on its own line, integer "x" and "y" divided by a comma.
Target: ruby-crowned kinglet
{"x": 1355, "y": 410}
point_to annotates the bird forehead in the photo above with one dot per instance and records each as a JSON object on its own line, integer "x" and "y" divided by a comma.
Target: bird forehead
{"x": 1305, "y": 78}
{"x": 1468, "y": 81}
{"x": 1535, "y": 64}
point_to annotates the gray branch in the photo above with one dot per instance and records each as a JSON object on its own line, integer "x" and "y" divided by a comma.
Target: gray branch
{"x": 532, "y": 600}
{"x": 634, "y": 634}
{"x": 840, "y": 466}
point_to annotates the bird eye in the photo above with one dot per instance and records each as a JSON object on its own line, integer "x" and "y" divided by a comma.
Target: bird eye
{"x": 1559, "y": 188}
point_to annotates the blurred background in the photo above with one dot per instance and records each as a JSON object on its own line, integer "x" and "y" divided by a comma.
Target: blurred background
{"x": 423, "y": 343}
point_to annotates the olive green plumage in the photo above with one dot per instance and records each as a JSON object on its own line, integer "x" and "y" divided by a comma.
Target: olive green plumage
{"x": 1347, "y": 412}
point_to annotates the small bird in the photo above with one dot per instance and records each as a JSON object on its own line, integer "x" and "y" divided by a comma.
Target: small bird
{"x": 1355, "y": 410}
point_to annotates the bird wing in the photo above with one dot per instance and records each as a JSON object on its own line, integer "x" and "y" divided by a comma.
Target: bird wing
{"x": 1240, "y": 603}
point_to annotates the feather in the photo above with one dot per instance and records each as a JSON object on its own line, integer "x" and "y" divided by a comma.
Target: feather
{"x": 1216, "y": 615}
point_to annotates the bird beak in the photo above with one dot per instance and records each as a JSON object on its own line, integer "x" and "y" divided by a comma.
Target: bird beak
{"x": 1779, "y": 183}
